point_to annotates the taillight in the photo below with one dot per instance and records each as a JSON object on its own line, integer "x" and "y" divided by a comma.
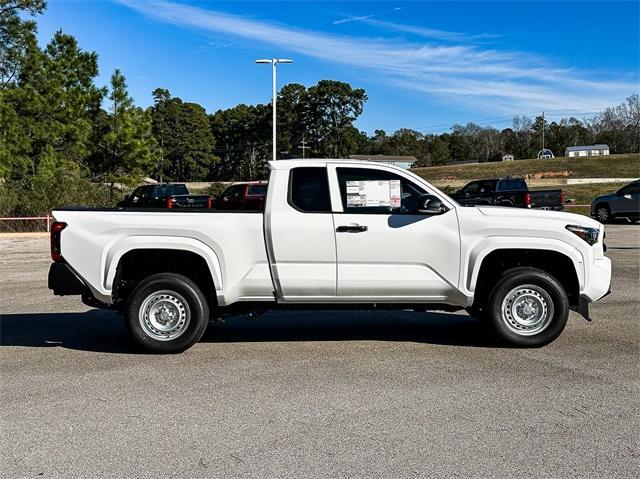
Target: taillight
{"x": 56, "y": 228}
{"x": 562, "y": 197}
{"x": 169, "y": 202}
{"x": 527, "y": 199}
{"x": 209, "y": 202}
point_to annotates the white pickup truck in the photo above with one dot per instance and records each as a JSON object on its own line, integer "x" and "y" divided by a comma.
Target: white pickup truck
{"x": 334, "y": 233}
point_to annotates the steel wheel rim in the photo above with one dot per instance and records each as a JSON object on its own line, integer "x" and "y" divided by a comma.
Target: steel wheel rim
{"x": 603, "y": 214}
{"x": 164, "y": 315}
{"x": 527, "y": 310}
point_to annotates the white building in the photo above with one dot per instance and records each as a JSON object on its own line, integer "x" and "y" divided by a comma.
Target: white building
{"x": 593, "y": 150}
{"x": 507, "y": 157}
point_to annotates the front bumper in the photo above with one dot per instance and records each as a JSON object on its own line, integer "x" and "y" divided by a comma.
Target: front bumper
{"x": 597, "y": 280}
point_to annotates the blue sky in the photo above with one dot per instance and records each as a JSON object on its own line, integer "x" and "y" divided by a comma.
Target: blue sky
{"x": 424, "y": 65}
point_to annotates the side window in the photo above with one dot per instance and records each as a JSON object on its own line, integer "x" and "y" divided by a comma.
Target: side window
{"x": 486, "y": 186}
{"x": 472, "y": 187}
{"x": 631, "y": 189}
{"x": 371, "y": 191}
{"x": 232, "y": 192}
{"x": 309, "y": 189}
{"x": 256, "y": 190}
{"x": 136, "y": 195}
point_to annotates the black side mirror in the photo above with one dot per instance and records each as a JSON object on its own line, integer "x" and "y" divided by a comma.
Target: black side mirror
{"x": 431, "y": 205}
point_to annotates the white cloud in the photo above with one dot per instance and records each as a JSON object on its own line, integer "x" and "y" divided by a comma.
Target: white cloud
{"x": 351, "y": 19}
{"x": 491, "y": 79}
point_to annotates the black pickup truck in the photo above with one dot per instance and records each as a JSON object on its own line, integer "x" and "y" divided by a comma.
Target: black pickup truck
{"x": 165, "y": 195}
{"x": 512, "y": 192}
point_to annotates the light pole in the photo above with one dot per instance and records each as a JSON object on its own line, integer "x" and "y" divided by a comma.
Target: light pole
{"x": 274, "y": 62}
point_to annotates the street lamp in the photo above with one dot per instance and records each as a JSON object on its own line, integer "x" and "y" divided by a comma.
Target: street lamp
{"x": 274, "y": 62}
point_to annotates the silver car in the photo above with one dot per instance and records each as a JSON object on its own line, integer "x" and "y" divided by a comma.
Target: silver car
{"x": 624, "y": 203}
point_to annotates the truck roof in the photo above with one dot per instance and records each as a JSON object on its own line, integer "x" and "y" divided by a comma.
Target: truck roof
{"x": 293, "y": 162}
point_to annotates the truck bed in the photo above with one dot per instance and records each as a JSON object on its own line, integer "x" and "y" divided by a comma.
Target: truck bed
{"x": 95, "y": 240}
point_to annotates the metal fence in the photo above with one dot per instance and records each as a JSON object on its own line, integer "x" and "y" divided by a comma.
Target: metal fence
{"x": 26, "y": 223}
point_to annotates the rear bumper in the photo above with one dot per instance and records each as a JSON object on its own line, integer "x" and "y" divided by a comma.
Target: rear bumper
{"x": 64, "y": 281}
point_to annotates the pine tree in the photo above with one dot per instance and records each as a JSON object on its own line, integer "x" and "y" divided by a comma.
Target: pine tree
{"x": 126, "y": 147}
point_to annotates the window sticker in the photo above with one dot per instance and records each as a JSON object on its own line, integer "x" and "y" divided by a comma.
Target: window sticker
{"x": 374, "y": 193}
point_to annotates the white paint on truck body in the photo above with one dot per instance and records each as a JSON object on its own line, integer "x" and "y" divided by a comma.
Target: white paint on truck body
{"x": 287, "y": 255}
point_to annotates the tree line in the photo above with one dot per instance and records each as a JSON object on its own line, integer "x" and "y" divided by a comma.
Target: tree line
{"x": 58, "y": 128}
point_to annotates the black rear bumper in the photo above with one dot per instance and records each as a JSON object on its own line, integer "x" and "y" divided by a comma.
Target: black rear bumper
{"x": 64, "y": 281}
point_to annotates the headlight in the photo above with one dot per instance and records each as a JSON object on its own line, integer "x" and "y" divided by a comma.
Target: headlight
{"x": 590, "y": 235}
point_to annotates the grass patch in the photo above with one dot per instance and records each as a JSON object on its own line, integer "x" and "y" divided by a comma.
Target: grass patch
{"x": 612, "y": 166}
{"x": 584, "y": 194}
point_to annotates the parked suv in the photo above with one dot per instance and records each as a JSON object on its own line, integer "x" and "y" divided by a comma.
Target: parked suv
{"x": 624, "y": 203}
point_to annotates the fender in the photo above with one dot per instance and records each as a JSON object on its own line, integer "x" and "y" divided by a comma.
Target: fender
{"x": 472, "y": 262}
{"x": 113, "y": 253}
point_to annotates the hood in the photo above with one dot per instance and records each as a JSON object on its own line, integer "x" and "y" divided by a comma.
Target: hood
{"x": 607, "y": 197}
{"x": 523, "y": 214}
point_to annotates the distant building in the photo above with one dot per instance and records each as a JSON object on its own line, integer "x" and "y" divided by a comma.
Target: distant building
{"x": 507, "y": 158}
{"x": 545, "y": 153}
{"x": 401, "y": 161}
{"x": 593, "y": 150}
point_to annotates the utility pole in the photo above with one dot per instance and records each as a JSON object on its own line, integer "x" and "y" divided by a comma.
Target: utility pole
{"x": 161, "y": 153}
{"x": 274, "y": 62}
{"x": 542, "y": 131}
{"x": 303, "y": 146}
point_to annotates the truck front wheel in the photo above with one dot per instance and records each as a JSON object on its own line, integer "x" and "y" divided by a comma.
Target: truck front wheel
{"x": 166, "y": 313}
{"x": 528, "y": 307}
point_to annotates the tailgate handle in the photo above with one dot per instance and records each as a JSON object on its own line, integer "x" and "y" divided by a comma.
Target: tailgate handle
{"x": 351, "y": 229}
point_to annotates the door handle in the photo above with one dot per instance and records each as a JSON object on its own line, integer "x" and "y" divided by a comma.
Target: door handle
{"x": 351, "y": 229}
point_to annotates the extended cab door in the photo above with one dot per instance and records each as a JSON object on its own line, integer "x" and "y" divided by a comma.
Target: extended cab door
{"x": 387, "y": 250}
{"x": 300, "y": 234}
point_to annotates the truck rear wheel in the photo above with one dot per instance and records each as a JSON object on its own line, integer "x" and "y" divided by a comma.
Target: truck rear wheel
{"x": 166, "y": 313}
{"x": 528, "y": 307}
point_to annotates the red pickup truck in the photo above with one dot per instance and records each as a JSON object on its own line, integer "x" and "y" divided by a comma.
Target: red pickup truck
{"x": 249, "y": 195}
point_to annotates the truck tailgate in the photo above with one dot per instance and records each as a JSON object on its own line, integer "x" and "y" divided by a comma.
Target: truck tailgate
{"x": 551, "y": 199}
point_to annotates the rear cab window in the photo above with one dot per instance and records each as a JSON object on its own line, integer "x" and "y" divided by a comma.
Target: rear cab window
{"x": 164, "y": 191}
{"x": 309, "y": 189}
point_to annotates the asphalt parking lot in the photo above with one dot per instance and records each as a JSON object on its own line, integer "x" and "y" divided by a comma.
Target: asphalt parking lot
{"x": 331, "y": 394}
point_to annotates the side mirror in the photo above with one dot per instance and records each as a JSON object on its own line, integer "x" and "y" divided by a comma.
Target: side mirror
{"x": 628, "y": 197}
{"x": 431, "y": 205}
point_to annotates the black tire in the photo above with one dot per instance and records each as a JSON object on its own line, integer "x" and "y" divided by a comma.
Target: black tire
{"x": 529, "y": 287}
{"x": 183, "y": 299}
{"x": 603, "y": 213}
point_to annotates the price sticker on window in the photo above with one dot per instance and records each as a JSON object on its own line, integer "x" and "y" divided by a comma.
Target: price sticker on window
{"x": 378, "y": 193}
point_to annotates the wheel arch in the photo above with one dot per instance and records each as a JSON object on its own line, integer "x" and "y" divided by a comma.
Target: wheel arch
{"x": 176, "y": 254}
{"x": 560, "y": 260}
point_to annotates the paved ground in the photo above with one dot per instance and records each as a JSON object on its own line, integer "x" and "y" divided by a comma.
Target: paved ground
{"x": 315, "y": 394}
